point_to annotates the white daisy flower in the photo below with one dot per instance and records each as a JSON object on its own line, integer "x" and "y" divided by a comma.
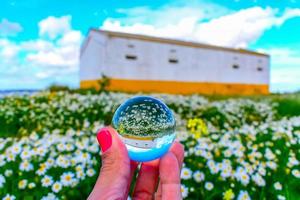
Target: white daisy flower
{"x": 186, "y": 173}
{"x": 31, "y": 185}
{"x": 56, "y": 187}
{"x": 22, "y": 184}
{"x": 199, "y": 176}
{"x": 278, "y": 186}
{"x": 184, "y": 191}
{"x": 243, "y": 195}
{"x": 280, "y": 197}
{"x": 2, "y": 180}
{"x": 26, "y": 166}
{"x": 8, "y": 172}
{"x": 209, "y": 186}
{"x": 50, "y": 196}
{"x": 9, "y": 197}
{"x": 67, "y": 178}
{"x": 257, "y": 178}
{"x": 47, "y": 181}
{"x": 296, "y": 173}
{"x": 91, "y": 172}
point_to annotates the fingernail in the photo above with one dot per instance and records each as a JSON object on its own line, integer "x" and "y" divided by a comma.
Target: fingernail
{"x": 104, "y": 139}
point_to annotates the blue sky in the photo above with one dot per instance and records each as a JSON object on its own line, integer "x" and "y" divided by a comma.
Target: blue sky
{"x": 40, "y": 40}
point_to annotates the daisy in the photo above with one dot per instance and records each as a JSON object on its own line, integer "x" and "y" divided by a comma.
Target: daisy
{"x": 2, "y": 180}
{"x": 22, "y": 184}
{"x": 56, "y": 187}
{"x": 186, "y": 173}
{"x": 296, "y": 173}
{"x": 199, "y": 176}
{"x": 26, "y": 166}
{"x": 278, "y": 186}
{"x": 90, "y": 172}
{"x": 280, "y": 197}
{"x": 243, "y": 195}
{"x": 209, "y": 186}
{"x": 67, "y": 178}
{"x": 184, "y": 191}
{"x": 9, "y": 197}
{"x": 8, "y": 173}
{"x": 50, "y": 196}
{"x": 31, "y": 185}
{"x": 47, "y": 181}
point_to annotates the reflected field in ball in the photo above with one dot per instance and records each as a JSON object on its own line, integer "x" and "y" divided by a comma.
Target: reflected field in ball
{"x": 147, "y": 127}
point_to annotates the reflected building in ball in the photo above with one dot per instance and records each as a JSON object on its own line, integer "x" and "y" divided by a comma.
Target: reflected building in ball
{"x": 137, "y": 63}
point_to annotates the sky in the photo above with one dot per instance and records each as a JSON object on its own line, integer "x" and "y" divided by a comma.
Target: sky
{"x": 40, "y": 39}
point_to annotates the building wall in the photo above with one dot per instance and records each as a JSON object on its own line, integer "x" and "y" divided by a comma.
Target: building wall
{"x": 197, "y": 68}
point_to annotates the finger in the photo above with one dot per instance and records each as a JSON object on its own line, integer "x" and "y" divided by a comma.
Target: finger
{"x": 147, "y": 180}
{"x": 115, "y": 171}
{"x": 178, "y": 150}
{"x": 169, "y": 173}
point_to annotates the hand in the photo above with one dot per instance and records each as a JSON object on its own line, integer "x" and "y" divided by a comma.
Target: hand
{"x": 158, "y": 179}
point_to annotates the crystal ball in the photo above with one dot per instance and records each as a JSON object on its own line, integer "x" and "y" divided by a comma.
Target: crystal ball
{"x": 147, "y": 127}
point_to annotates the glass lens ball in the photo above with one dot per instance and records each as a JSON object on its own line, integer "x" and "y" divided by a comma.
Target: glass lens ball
{"x": 147, "y": 127}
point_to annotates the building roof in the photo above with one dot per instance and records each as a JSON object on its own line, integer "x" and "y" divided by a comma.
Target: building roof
{"x": 175, "y": 41}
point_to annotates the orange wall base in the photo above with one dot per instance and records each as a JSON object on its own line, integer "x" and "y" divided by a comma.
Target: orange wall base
{"x": 175, "y": 87}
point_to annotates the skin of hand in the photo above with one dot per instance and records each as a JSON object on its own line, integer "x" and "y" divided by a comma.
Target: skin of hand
{"x": 158, "y": 179}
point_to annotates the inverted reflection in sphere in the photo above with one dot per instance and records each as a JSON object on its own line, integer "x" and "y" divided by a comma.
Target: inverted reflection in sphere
{"x": 147, "y": 127}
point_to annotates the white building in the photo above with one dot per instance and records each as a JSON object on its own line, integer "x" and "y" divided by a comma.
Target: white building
{"x": 151, "y": 64}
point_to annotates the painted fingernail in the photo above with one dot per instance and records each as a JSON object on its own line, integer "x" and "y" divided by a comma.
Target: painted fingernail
{"x": 104, "y": 139}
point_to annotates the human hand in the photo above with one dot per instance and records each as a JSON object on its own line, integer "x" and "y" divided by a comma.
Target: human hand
{"x": 158, "y": 179}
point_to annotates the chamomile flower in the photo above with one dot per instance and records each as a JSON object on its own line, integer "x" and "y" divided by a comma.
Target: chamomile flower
{"x": 280, "y": 197}
{"x": 186, "y": 173}
{"x": 31, "y": 185}
{"x": 50, "y": 196}
{"x": 296, "y": 173}
{"x": 22, "y": 184}
{"x": 56, "y": 187}
{"x": 184, "y": 191}
{"x": 67, "y": 178}
{"x": 209, "y": 186}
{"x": 198, "y": 176}
{"x": 26, "y": 166}
{"x": 2, "y": 180}
{"x": 277, "y": 186}
{"x": 243, "y": 195}
{"x": 47, "y": 181}
{"x": 9, "y": 197}
{"x": 91, "y": 172}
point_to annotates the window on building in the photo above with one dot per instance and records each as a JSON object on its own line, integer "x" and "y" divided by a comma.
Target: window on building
{"x": 173, "y": 60}
{"x": 173, "y": 50}
{"x": 130, "y": 46}
{"x": 235, "y": 66}
{"x": 130, "y": 57}
{"x": 259, "y": 69}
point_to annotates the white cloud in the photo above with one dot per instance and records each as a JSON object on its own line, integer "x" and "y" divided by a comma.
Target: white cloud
{"x": 61, "y": 53}
{"x": 54, "y": 26}
{"x": 285, "y": 69}
{"x": 8, "y": 50}
{"x": 51, "y": 58}
{"x": 8, "y": 28}
{"x": 235, "y": 29}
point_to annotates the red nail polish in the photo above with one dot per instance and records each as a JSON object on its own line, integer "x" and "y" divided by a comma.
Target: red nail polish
{"x": 104, "y": 139}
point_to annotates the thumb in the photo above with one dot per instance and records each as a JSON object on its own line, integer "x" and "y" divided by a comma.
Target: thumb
{"x": 115, "y": 171}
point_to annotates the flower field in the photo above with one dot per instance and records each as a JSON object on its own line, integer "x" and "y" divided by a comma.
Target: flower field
{"x": 234, "y": 148}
